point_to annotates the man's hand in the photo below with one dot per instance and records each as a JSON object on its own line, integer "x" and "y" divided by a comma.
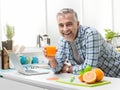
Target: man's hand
{"x": 65, "y": 67}
{"x": 51, "y": 59}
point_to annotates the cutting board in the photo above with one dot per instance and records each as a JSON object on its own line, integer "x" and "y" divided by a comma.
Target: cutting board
{"x": 76, "y": 82}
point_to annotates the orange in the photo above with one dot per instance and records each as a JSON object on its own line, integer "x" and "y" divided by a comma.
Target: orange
{"x": 99, "y": 74}
{"x": 89, "y": 77}
{"x": 51, "y": 50}
{"x": 80, "y": 77}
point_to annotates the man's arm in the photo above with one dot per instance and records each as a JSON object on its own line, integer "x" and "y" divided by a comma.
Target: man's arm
{"x": 52, "y": 62}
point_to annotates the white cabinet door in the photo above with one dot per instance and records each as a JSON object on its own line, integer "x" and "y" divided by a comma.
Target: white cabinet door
{"x": 6, "y": 84}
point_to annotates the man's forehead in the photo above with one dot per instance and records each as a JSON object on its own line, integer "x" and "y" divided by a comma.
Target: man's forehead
{"x": 65, "y": 16}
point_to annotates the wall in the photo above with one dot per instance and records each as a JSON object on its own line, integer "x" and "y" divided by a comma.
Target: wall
{"x": 116, "y": 14}
{"x": 100, "y": 14}
{"x": 28, "y": 18}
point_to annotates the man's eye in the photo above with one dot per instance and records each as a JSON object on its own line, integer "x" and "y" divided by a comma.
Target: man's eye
{"x": 60, "y": 25}
{"x": 69, "y": 24}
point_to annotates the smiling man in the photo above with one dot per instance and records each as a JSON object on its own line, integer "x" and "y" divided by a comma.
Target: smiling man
{"x": 68, "y": 26}
{"x": 82, "y": 46}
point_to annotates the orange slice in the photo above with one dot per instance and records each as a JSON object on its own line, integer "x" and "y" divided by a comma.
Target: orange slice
{"x": 89, "y": 77}
{"x": 52, "y": 78}
{"x": 99, "y": 74}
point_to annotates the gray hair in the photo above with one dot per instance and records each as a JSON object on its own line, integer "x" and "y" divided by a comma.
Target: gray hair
{"x": 66, "y": 11}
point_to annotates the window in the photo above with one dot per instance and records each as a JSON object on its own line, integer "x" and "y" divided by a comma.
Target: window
{"x": 28, "y": 18}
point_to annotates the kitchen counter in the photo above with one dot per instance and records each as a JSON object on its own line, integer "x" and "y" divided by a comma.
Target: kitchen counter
{"x": 40, "y": 81}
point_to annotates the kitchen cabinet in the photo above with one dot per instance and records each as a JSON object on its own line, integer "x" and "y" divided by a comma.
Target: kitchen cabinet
{"x": 6, "y": 84}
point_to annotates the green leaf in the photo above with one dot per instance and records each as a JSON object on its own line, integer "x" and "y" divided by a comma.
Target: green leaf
{"x": 87, "y": 68}
{"x": 72, "y": 79}
{"x": 80, "y": 72}
{"x": 9, "y": 32}
{"x": 110, "y": 34}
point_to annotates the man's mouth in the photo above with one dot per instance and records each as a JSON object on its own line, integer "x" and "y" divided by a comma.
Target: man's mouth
{"x": 67, "y": 34}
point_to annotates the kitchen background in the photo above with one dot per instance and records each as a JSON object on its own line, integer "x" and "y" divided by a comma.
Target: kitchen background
{"x": 33, "y": 17}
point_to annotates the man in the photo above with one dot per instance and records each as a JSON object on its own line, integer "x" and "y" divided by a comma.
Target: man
{"x": 82, "y": 46}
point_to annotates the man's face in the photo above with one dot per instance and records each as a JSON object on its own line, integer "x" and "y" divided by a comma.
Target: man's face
{"x": 68, "y": 26}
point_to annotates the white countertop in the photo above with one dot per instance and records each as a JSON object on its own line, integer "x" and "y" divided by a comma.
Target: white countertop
{"x": 41, "y": 81}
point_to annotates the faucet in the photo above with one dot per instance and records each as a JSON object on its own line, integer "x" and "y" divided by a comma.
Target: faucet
{"x": 43, "y": 40}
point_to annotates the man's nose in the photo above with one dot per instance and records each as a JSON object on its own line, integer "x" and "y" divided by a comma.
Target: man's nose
{"x": 65, "y": 28}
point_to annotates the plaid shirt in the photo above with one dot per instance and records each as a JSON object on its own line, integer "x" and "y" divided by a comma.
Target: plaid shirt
{"x": 93, "y": 50}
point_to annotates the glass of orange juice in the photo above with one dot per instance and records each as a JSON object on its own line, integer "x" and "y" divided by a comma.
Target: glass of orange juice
{"x": 51, "y": 50}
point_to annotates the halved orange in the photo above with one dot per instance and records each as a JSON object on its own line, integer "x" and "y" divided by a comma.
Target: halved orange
{"x": 99, "y": 74}
{"x": 89, "y": 77}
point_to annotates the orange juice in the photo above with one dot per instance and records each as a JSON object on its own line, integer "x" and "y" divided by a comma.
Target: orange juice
{"x": 51, "y": 50}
